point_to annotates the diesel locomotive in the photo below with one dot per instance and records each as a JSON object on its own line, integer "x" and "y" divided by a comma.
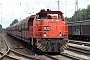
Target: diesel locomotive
{"x": 46, "y": 30}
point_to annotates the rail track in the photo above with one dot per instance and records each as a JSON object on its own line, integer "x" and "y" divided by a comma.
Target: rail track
{"x": 71, "y": 56}
{"x": 80, "y": 47}
{"x": 11, "y": 51}
{"x": 36, "y": 51}
{"x": 79, "y": 50}
{"x": 51, "y": 56}
{"x": 79, "y": 42}
{"x": 82, "y": 50}
{"x": 8, "y": 54}
{"x": 14, "y": 55}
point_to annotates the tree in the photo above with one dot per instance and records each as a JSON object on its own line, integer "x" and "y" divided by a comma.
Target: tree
{"x": 13, "y": 22}
{"x": 80, "y": 15}
{"x": 0, "y": 28}
{"x": 88, "y": 12}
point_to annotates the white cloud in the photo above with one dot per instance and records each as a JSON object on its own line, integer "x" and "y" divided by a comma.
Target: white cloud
{"x": 12, "y": 9}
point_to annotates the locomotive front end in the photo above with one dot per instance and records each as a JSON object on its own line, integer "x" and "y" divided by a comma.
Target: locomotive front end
{"x": 51, "y": 31}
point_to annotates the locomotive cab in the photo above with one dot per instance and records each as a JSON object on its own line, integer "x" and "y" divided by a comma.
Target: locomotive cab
{"x": 50, "y": 31}
{"x": 48, "y": 15}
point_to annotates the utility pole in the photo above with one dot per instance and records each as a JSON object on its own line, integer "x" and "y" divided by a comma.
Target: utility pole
{"x": 76, "y": 9}
{"x": 76, "y": 5}
{"x": 1, "y": 12}
{"x": 1, "y": 15}
{"x": 20, "y": 9}
{"x": 58, "y": 4}
{"x": 65, "y": 10}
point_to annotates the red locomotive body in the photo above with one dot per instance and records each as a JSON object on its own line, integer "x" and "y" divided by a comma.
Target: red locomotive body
{"x": 47, "y": 30}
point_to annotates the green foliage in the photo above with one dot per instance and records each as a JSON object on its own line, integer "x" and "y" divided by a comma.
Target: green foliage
{"x": 0, "y": 28}
{"x": 80, "y": 15}
{"x": 13, "y": 22}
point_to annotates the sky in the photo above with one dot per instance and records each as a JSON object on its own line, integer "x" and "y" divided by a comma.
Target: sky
{"x": 20, "y": 9}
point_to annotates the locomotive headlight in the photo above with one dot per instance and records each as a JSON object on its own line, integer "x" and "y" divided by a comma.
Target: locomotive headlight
{"x": 60, "y": 34}
{"x": 44, "y": 34}
{"x": 46, "y": 27}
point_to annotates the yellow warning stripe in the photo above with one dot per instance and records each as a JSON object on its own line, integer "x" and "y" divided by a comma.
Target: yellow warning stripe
{"x": 44, "y": 48}
{"x": 37, "y": 44}
{"x": 41, "y": 46}
{"x": 66, "y": 45}
{"x": 62, "y": 48}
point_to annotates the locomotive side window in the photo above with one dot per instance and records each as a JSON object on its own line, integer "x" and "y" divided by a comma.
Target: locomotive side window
{"x": 41, "y": 16}
{"x": 51, "y": 16}
{"x": 37, "y": 17}
{"x": 61, "y": 17}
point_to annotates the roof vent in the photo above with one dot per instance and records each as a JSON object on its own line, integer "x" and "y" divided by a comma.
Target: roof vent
{"x": 42, "y": 10}
{"x": 47, "y": 9}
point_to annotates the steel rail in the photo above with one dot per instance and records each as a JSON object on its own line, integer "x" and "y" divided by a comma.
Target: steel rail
{"x": 80, "y": 50}
{"x": 9, "y": 50}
